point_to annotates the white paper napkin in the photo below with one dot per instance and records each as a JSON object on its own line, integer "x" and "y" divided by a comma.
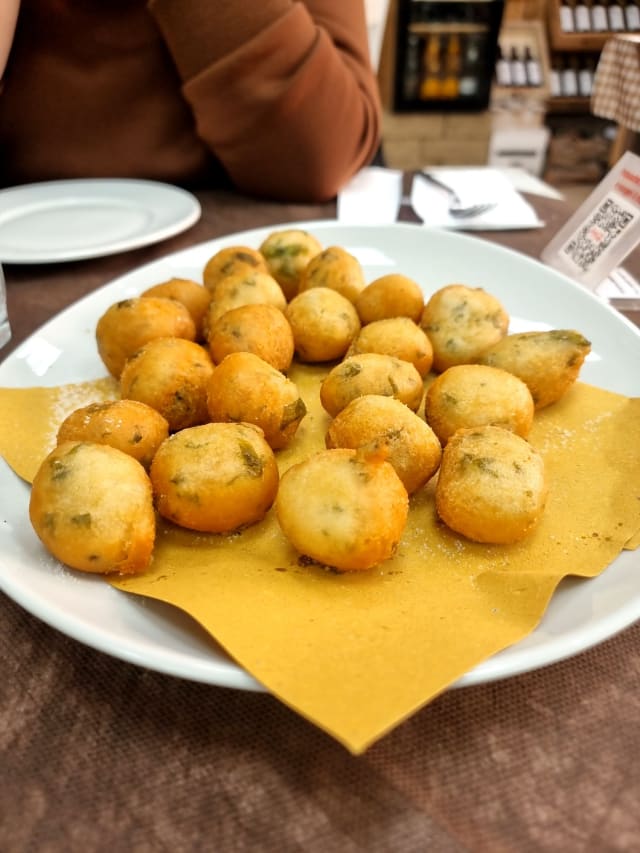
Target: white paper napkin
{"x": 473, "y": 186}
{"x": 372, "y": 196}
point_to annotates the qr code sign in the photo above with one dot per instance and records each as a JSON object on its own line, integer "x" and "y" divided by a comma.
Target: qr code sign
{"x": 598, "y": 233}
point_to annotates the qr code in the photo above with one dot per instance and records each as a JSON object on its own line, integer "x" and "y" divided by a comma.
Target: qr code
{"x": 586, "y": 246}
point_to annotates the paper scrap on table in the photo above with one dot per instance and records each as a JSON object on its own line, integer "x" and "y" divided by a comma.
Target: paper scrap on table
{"x": 357, "y": 653}
{"x": 621, "y": 289}
{"x": 525, "y": 182}
{"x": 473, "y": 186}
{"x": 372, "y": 196}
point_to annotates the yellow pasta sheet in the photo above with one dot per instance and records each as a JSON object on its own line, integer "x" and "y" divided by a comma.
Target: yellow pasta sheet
{"x": 357, "y": 653}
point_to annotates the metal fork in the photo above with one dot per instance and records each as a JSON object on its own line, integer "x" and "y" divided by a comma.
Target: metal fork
{"x": 456, "y": 208}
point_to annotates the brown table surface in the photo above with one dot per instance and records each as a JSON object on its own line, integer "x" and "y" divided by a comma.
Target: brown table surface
{"x": 98, "y": 754}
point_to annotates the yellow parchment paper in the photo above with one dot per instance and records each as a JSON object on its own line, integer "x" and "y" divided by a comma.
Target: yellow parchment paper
{"x": 357, "y": 653}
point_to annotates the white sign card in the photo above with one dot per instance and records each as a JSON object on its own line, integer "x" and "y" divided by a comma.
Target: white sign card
{"x": 604, "y": 229}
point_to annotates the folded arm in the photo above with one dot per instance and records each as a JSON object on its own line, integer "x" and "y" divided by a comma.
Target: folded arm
{"x": 282, "y": 92}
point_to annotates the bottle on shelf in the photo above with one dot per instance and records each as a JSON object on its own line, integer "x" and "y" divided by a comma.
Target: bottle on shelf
{"x": 615, "y": 16}
{"x": 569, "y": 78}
{"x": 452, "y": 65}
{"x": 532, "y": 68}
{"x": 411, "y": 77}
{"x": 503, "y": 69}
{"x": 470, "y": 73}
{"x": 567, "y": 17}
{"x": 585, "y": 77}
{"x": 431, "y": 84}
{"x": 632, "y": 16}
{"x": 599, "y": 20}
{"x": 582, "y": 16}
{"x": 518, "y": 68}
{"x": 555, "y": 85}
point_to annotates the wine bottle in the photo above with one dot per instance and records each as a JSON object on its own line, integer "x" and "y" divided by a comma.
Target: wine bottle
{"x": 532, "y": 67}
{"x": 615, "y": 16}
{"x": 632, "y": 16}
{"x": 582, "y": 16}
{"x": 599, "y": 19}
{"x": 585, "y": 79}
{"x": 569, "y": 78}
{"x": 469, "y": 77}
{"x": 503, "y": 70}
{"x": 451, "y": 77}
{"x": 431, "y": 85}
{"x": 567, "y": 19}
{"x": 518, "y": 69}
{"x": 411, "y": 78}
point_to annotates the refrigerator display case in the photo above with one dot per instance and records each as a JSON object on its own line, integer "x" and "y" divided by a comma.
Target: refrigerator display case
{"x": 445, "y": 54}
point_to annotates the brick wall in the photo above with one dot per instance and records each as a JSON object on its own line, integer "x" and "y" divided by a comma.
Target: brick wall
{"x": 415, "y": 140}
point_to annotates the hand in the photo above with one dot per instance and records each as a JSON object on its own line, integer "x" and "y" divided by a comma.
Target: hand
{"x": 8, "y": 17}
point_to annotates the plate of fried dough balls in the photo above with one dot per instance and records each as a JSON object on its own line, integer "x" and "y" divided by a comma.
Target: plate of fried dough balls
{"x": 402, "y": 373}
{"x": 412, "y": 389}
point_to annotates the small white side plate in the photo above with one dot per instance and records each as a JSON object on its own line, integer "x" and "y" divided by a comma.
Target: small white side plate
{"x": 70, "y": 220}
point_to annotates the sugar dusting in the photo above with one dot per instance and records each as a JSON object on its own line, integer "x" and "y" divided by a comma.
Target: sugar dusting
{"x": 68, "y": 398}
{"x": 556, "y": 438}
{"x": 562, "y": 438}
{"x": 594, "y": 424}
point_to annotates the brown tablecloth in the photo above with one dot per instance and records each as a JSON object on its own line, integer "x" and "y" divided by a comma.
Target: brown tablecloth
{"x": 98, "y": 754}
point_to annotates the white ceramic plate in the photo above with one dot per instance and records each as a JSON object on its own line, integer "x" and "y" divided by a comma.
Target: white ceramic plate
{"x": 154, "y": 635}
{"x": 71, "y": 220}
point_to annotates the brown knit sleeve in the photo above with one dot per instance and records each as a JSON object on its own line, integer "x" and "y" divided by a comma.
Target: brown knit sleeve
{"x": 292, "y": 111}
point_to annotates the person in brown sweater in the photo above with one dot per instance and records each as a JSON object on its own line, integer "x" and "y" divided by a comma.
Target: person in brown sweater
{"x": 275, "y": 98}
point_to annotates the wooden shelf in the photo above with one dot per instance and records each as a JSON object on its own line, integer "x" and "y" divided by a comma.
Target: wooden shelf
{"x": 502, "y": 93}
{"x": 576, "y": 42}
{"x": 421, "y": 29}
{"x": 523, "y": 35}
{"x": 573, "y": 105}
{"x": 571, "y": 43}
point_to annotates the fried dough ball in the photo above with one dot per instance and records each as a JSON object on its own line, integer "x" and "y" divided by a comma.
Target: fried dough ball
{"x": 232, "y": 260}
{"x": 287, "y": 253}
{"x": 323, "y": 323}
{"x": 245, "y": 388}
{"x": 260, "y": 329}
{"x": 462, "y": 322}
{"x": 130, "y": 324}
{"x": 255, "y": 288}
{"x": 128, "y": 425}
{"x": 371, "y": 373}
{"x": 335, "y": 268}
{"x": 469, "y": 395}
{"x": 397, "y": 336}
{"x": 92, "y": 507}
{"x": 391, "y": 295}
{"x": 548, "y": 362}
{"x": 491, "y": 485}
{"x": 374, "y": 421}
{"x": 192, "y": 295}
{"x": 343, "y": 508}
{"x": 215, "y": 478}
{"x": 170, "y": 375}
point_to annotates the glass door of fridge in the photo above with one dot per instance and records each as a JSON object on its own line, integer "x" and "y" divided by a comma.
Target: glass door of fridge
{"x": 445, "y": 54}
